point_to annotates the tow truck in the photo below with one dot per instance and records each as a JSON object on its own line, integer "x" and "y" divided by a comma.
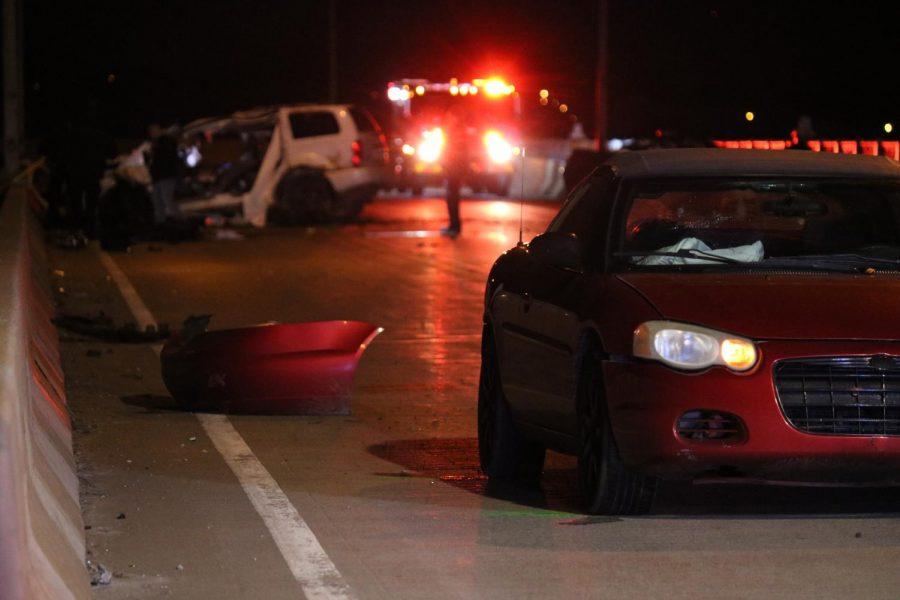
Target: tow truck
{"x": 491, "y": 109}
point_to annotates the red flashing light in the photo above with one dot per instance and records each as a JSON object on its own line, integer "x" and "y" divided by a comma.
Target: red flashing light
{"x": 830, "y": 146}
{"x": 814, "y": 145}
{"x": 745, "y": 144}
{"x": 849, "y": 147}
{"x": 356, "y": 149}
{"x": 760, "y": 144}
{"x": 891, "y": 149}
{"x": 870, "y": 148}
{"x": 778, "y": 144}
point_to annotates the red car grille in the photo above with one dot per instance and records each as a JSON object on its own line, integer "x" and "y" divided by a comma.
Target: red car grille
{"x": 858, "y": 395}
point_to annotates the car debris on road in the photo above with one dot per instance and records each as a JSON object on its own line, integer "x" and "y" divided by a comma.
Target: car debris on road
{"x": 288, "y": 368}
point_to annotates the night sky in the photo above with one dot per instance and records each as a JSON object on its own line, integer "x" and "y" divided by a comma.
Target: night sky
{"x": 691, "y": 68}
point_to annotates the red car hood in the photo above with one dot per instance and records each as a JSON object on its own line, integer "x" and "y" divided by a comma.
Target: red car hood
{"x": 778, "y": 306}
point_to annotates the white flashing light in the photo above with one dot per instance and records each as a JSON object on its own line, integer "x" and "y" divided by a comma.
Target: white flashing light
{"x": 497, "y": 87}
{"x": 498, "y": 148}
{"x": 432, "y": 145}
{"x": 398, "y": 94}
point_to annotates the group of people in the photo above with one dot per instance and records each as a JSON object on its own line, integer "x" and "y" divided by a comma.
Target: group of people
{"x": 77, "y": 158}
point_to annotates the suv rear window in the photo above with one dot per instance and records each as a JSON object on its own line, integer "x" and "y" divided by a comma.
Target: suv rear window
{"x": 362, "y": 119}
{"x": 311, "y": 124}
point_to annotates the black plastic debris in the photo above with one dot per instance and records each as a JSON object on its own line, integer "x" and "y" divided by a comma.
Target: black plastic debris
{"x": 68, "y": 240}
{"x": 102, "y": 327}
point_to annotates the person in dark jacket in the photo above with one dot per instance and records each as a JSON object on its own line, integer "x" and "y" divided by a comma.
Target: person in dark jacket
{"x": 164, "y": 167}
{"x": 456, "y": 158}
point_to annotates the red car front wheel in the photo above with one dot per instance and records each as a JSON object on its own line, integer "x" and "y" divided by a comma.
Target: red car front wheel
{"x": 608, "y": 486}
{"x": 503, "y": 452}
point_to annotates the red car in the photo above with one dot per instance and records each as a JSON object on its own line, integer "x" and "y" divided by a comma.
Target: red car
{"x": 702, "y": 314}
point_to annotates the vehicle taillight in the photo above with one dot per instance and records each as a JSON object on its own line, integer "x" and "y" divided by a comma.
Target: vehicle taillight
{"x": 356, "y": 148}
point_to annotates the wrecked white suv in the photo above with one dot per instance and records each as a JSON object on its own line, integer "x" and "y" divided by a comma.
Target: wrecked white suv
{"x": 289, "y": 165}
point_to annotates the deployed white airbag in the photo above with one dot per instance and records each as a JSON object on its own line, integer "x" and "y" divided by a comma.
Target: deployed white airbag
{"x": 749, "y": 253}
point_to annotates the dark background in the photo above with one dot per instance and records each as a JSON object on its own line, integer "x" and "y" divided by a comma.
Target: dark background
{"x": 690, "y": 68}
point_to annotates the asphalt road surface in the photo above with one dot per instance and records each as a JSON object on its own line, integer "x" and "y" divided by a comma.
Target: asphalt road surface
{"x": 389, "y": 502}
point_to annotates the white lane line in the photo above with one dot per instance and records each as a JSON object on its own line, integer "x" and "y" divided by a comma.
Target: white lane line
{"x": 143, "y": 316}
{"x": 305, "y": 557}
{"x": 312, "y": 568}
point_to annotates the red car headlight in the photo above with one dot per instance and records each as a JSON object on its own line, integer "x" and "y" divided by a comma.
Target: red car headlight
{"x": 692, "y": 347}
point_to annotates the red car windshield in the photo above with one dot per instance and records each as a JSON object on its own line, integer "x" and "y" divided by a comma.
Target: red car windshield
{"x": 678, "y": 223}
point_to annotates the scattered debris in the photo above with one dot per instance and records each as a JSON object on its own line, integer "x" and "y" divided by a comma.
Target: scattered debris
{"x": 858, "y": 534}
{"x": 180, "y": 567}
{"x": 99, "y": 574}
{"x": 120, "y": 516}
{"x": 68, "y": 240}
{"x": 229, "y": 235}
{"x": 59, "y": 272}
{"x": 214, "y": 220}
{"x": 193, "y": 438}
{"x": 102, "y": 327}
{"x": 401, "y": 473}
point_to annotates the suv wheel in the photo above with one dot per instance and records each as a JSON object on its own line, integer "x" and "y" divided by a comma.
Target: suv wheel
{"x": 303, "y": 198}
{"x": 609, "y": 487}
{"x": 503, "y": 452}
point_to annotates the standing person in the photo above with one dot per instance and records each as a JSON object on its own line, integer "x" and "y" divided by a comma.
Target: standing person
{"x": 456, "y": 158}
{"x": 81, "y": 156}
{"x": 164, "y": 167}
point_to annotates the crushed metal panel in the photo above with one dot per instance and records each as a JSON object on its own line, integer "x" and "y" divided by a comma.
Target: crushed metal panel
{"x": 291, "y": 368}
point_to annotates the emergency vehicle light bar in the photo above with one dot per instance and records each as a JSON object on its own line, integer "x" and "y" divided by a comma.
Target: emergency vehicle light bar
{"x": 405, "y": 89}
{"x": 889, "y": 148}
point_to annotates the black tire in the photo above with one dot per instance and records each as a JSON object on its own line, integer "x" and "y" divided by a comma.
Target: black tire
{"x": 609, "y": 487}
{"x": 305, "y": 198}
{"x": 503, "y": 452}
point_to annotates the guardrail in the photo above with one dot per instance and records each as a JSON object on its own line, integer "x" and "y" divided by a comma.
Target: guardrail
{"x": 41, "y": 530}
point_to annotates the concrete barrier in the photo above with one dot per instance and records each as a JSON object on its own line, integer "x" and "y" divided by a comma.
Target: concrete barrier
{"x": 41, "y": 530}
{"x": 545, "y": 165}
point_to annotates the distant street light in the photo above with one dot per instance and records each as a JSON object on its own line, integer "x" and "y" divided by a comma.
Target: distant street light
{"x": 749, "y": 115}
{"x": 888, "y": 127}
{"x": 544, "y": 94}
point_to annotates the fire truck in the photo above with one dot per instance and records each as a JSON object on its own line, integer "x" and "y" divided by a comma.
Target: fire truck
{"x": 491, "y": 112}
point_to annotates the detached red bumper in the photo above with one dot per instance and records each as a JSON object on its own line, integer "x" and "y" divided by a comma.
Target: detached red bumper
{"x": 293, "y": 368}
{"x": 647, "y": 400}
